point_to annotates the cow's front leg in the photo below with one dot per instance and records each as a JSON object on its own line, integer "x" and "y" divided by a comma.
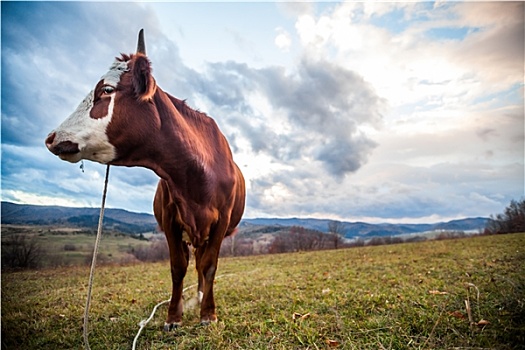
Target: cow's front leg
{"x": 179, "y": 257}
{"x": 200, "y": 288}
{"x": 206, "y": 258}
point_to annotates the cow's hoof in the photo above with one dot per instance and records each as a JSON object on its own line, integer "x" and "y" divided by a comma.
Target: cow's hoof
{"x": 168, "y": 327}
{"x": 208, "y": 321}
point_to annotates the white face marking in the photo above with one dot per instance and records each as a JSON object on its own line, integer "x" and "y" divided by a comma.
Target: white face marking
{"x": 89, "y": 133}
{"x": 115, "y": 71}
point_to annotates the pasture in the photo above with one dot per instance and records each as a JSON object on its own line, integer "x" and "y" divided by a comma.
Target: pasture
{"x": 67, "y": 246}
{"x": 406, "y": 296}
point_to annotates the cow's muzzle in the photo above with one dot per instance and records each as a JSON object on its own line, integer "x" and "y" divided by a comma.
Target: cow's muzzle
{"x": 62, "y": 148}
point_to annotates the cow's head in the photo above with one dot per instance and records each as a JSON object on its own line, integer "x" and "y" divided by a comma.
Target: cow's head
{"x": 101, "y": 128}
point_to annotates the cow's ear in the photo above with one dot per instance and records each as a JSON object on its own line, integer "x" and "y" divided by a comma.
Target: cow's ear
{"x": 143, "y": 82}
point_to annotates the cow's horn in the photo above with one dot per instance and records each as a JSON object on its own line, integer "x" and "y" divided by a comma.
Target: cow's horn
{"x": 141, "y": 46}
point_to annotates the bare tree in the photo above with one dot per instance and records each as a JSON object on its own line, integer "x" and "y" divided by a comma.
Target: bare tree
{"x": 336, "y": 231}
{"x": 155, "y": 251}
{"x": 298, "y": 238}
{"x": 281, "y": 244}
{"x": 237, "y": 245}
{"x": 22, "y": 252}
{"x": 227, "y": 247}
{"x": 511, "y": 221}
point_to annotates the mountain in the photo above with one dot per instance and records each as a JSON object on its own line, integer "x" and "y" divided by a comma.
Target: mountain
{"x": 313, "y": 224}
{"x": 362, "y": 229}
{"x": 114, "y": 219}
{"x": 130, "y": 222}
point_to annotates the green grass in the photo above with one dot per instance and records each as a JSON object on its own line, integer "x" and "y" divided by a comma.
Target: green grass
{"x": 360, "y": 298}
{"x": 53, "y": 241}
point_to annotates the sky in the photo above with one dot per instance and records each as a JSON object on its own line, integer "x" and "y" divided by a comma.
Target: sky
{"x": 398, "y": 112}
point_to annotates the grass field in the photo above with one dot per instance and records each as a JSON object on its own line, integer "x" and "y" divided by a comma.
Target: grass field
{"x": 407, "y": 296}
{"x": 69, "y": 246}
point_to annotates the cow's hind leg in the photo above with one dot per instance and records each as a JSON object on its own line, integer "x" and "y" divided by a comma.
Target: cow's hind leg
{"x": 179, "y": 257}
{"x": 206, "y": 260}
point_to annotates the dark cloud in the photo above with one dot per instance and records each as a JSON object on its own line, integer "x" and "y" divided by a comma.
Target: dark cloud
{"x": 323, "y": 103}
{"x": 486, "y": 133}
{"x": 50, "y": 26}
{"x": 345, "y": 156}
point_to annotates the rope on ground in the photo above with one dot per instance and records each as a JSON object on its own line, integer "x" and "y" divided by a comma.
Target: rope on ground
{"x": 93, "y": 262}
{"x": 144, "y": 322}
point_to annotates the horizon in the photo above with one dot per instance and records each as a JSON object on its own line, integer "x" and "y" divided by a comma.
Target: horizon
{"x": 359, "y": 111}
{"x": 269, "y": 218}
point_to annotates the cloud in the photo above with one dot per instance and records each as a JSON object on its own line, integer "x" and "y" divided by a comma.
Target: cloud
{"x": 492, "y": 51}
{"x": 283, "y": 39}
{"x": 295, "y": 8}
{"x": 452, "y": 113}
{"x": 314, "y": 113}
{"x": 408, "y": 64}
{"x": 34, "y": 175}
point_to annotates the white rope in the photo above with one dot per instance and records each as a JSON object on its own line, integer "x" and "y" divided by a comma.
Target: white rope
{"x": 93, "y": 262}
{"x": 144, "y": 322}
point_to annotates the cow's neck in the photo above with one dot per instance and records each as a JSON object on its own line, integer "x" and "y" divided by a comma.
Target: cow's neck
{"x": 174, "y": 153}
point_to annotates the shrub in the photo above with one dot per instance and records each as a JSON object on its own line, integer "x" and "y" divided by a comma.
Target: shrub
{"x": 156, "y": 251}
{"x": 70, "y": 247}
{"x": 22, "y": 252}
{"x": 511, "y": 221}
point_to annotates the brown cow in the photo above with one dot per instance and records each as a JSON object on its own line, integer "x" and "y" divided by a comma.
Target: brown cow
{"x": 128, "y": 120}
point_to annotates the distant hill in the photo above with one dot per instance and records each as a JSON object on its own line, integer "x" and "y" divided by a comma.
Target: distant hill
{"x": 130, "y": 222}
{"x": 114, "y": 219}
{"x": 362, "y": 229}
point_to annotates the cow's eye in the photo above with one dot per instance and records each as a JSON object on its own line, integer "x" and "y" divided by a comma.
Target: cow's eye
{"x": 108, "y": 89}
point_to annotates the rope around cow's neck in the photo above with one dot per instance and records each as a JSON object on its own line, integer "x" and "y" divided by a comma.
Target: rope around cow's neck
{"x": 94, "y": 260}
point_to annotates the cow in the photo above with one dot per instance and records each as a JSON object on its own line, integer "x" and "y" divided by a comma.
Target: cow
{"x": 128, "y": 120}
